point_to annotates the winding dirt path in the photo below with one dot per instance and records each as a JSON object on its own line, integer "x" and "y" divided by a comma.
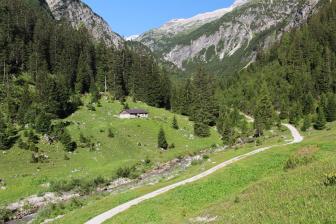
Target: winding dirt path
{"x": 297, "y": 138}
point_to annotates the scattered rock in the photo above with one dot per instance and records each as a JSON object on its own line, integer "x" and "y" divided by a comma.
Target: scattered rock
{"x": 203, "y": 219}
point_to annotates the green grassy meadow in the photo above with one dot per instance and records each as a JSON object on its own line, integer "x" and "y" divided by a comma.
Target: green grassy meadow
{"x": 255, "y": 190}
{"x": 97, "y": 205}
{"x": 134, "y": 140}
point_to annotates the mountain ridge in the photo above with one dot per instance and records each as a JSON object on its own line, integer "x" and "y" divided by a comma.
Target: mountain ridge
{"x": 78, "y": 13}
{"x": 229, "y": 39}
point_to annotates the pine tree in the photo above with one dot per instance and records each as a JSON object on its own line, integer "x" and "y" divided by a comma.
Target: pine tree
{"x": 306, "y": 123}
{"x": 264, "y": 113}
{"x": 67, "y": 142}
{"x": 7, "y": 134}
{"x": 84, "y": 73}
{"x": 226, "y": 128}
{"x": 162, "y": 142}
{"x": 294, "y": 114}
{"x": 43, "y": 123}
{"x": 320, "y": 123}
{"x": 201, "y": 129}
{"x": 309, "y": 104}
{"x": 331, "y": 108}
{"x": 175, "y": 124}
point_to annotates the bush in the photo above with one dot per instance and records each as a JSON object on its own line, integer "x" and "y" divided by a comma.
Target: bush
{"x": 53, "y": 210}
{"x": 39, "y": 158}
{"x": 196, "y": 162}
{"x": 90, "y": 107}
{"x": 34, "y": 158}
{"x": 67, "y": 142}
{"x": 172, "y": 146}
{"x": 23, "y": 145}
{"x": 214, "y": 146}
{"x": 206, "y": 157}
{"x": 66, "y": 157}
{"x": 330, "y": 180}
{"x": 301, "y": 158}
{"x": 32, "y": 147}
{"x": 124, "y": 172}
{"x": 5, "y": 215}
{"x": 259, "y": 142}
{"x": 99, "y": 181}
{"x": 83, "y": 139}
{"x": 32, "y": 137}
{"x": 110, "y": 133}
{"x": 64, "y": 186}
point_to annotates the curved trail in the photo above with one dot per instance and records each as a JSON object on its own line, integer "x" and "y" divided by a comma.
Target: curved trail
{"x": 297, "y": 138}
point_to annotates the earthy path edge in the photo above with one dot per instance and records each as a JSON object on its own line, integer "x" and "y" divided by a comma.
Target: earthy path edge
{"x": 297, "y": 138}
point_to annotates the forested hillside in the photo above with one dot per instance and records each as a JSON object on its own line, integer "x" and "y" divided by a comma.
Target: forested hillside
{"x": 46, "y": 64}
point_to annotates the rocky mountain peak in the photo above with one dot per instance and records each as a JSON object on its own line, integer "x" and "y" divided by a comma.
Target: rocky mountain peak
{"x": 78, "y": 13}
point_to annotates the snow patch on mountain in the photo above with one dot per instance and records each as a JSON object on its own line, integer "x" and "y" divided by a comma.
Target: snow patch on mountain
{"x": 179, "y": 25}
{"x": 132, "y": 37}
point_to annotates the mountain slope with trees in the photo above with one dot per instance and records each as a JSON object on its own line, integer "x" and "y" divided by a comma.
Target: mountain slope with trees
{"x": 299, "y": 74}
{"x": 46, "y": 65}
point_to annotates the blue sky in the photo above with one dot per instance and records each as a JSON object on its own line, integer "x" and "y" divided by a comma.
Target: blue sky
{"x": 128, "y": 17}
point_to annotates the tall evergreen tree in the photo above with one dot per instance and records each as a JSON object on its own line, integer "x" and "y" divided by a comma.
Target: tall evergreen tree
{"x": 175, "y": 124}
{"x": 84, "y": 73}
{"x": 264, "y": 113}
{"x": 162, "y": 142}
{"x": 331, "y": 108}
{"x": 306, "y": 123}
{"x": 320, "y": 123}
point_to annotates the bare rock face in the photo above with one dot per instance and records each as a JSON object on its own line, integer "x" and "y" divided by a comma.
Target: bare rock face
{"x": 78, "y": 14}
{"x": 239, "y": 30}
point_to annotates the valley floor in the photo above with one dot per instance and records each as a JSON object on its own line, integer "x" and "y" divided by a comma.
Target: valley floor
{"x": 297, "y": 138}
{"x": 256, "y": 190}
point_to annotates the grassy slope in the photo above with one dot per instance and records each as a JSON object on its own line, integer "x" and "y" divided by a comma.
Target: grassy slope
{"x": 265, "y": 192}
{"x": 24, "y": 179}
{"x": 96, "y": 205}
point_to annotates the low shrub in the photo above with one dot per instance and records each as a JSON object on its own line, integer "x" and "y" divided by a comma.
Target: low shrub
{"x": 67, "y": 142}
{"x": 110, "y": 133}
{"x": 66, "y": 157}
{"x": 54, "y": 210}
{"x": 330, "y": 179}
{"x": 5, "y": 215}
{"x": 23, "y": 145}
{"x": 172, "y": 146}
{"x": 39, "y": 158}
{"x": 206, "y": 157}
{"x": 196, "y": 162}
{"x": 124, "y": 172}
{"x": 90, "y": 107}
{"x": 32, "y": 147}
{"x": 78, "y": 185}
{"x": 32, "y": 138}
{"x": 300, "y": 158}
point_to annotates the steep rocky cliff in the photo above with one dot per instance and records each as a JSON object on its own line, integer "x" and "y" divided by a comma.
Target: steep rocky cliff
{"x": 227, "y": 38}
{"x": 78, "y": 13}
